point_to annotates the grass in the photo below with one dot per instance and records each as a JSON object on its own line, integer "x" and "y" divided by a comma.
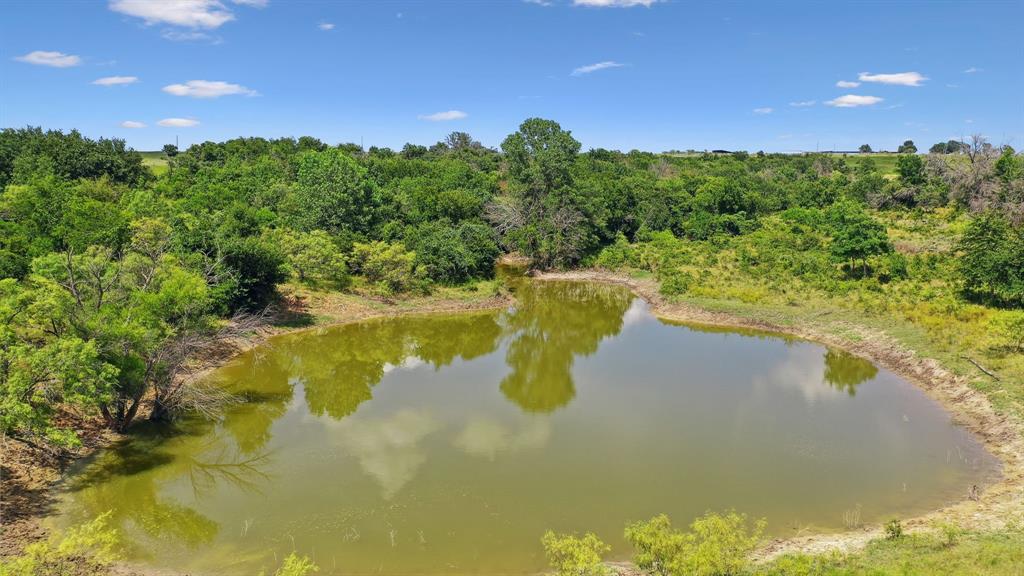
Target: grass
{"x": 969, "y": 553}
{"x": 783, "y": 277}
{"x": 155, "y": 161}
{"x": 885, "y": 162}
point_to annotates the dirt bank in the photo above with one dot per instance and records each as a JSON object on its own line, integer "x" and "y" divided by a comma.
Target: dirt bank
{"x": 988, "y": 509}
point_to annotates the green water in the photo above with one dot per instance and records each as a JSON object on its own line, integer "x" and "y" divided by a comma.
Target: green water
{"x": 449, "y": 444}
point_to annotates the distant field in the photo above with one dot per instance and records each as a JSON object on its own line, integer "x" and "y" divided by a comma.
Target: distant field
{"x": 885, "y": 162}
{"x": 156, "y": 161}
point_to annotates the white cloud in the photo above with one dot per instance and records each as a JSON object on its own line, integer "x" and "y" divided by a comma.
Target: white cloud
{"x": 613, "y": 3}
{"x": 189, "y": 13}
{"x": 595, "y": 67}
{"x": 803, "y": 103}
{"x": 853, "y": 101}
{"x": 973, "y": 70}
{"x": 207, "y": 89}
{"x": 444, "y": 116}
{"x": 847, "y": 84}
{"x": 48, "y": 58}
{"x": 132, "y": 124}
{"x": 325, "y": 26}
{"x": 897, "y": 79}
{"x": 538, "y": 2}
{"x": 765, "y": 110}
{"x": 252, "y": 3}
{"x": 115, "y": 80}
{"x": 178, "y": 122}
{"x": 188, "y": 36}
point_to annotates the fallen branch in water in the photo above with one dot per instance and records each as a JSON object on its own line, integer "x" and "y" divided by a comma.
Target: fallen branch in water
{"x": 980, "y": 367}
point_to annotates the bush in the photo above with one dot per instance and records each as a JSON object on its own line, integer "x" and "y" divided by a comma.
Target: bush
{"x": 258, "y": 267}
{"x": 674, "y": 282}
{"x": 571, "y": 555}
{"x": 616, "y": 255}
{"x": 453, "y": 255}
{"x": 992, "y": 266}
{"x": 390, "y": 266}
{"x": 893, "y": 529}
{"x": 313, "y": 257}
{"x": 716, "y": 545}
{"x": 1010, "y": 327}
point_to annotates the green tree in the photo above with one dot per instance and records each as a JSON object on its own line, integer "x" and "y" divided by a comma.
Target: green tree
{"x": 992, "y": 261}
{"x": 911, "y": 169}
{"x": 572, "y": 555}
{"x": 312, "y": 256}
{"x": 907, "y": 147}
{"x": 856, "y": 235}
{"x": 390, "y": 266}
{"x": 541, "y": 216}
{"x": 864, "y": 149}
{"x": 715, "y": 545}
{"x": 332, "y": 193}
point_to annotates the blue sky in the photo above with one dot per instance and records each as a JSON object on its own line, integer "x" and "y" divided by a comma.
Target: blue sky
{"x": 647, "y": 74}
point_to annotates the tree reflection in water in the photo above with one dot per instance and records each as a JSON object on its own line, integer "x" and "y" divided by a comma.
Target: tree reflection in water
{"x": 844, "y": 371}
{"x": 553, "y": 323}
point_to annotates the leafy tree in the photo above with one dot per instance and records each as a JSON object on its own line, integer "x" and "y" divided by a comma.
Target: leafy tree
{"x": 572, "y": 555}
{"x": 312, "y": 256}
{"x": 992, "y": 264}
{"x": 170, "y": 150}
{"x": 42, "y": 363}
{"x": 256, "y": 268}
{"x": 864, "y": 149}
{"x": 907, "y": 147}
{"x": 715, "y": 545}
{"x": 911, "y": 169}
{"x": 332, "y": 193}
{"x": 389, "y": 266}
{"x": 540, "y": 216}
{"x": 856, "y": 235}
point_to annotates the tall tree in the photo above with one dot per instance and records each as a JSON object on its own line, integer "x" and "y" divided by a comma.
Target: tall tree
{"x": 540, "y": 215}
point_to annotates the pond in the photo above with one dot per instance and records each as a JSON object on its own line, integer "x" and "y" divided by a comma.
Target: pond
{"x": 449, "y": 444}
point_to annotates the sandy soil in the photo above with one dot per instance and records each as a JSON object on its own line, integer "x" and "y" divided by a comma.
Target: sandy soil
{"x": 989, "y": 507}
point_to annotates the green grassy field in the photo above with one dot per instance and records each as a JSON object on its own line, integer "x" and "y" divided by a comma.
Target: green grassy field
{"x": 885, "y": 162}
{"x": 155, "y": 161}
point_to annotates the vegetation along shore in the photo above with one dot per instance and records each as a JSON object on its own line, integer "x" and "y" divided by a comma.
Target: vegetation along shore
{"x": 122, "y": 285}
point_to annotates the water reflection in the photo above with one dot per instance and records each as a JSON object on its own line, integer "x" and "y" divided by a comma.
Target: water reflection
{"x": 469, "y": 450}
{"x": 549, "y": 328}
{"x": 388, "y": 449}
{"x": 844, "y": 371}
{"x": 130, "y": 479}
{"x": 487, "y": 437}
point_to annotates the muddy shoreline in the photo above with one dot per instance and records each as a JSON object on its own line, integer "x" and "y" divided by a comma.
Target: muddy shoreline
{"x": 30, "y": 473}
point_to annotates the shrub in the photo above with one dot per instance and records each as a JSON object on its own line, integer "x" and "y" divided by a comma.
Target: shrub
{"x": 571, "y": 555}
{"x": 893, "y": 529}
{"x": 258, "y": 268}
{"x": 313, "y": 257}
{"x": 992, "y": 266}
{"x": 716, "y": 545}
{"x": 674, "y": 282}
{"x": 388, "y": 265}
{"x": 615, "y": 255}
{"x": 1010, "y": 327}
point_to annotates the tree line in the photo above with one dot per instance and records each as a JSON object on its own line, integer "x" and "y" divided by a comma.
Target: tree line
{"x": 112, "y": 277}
